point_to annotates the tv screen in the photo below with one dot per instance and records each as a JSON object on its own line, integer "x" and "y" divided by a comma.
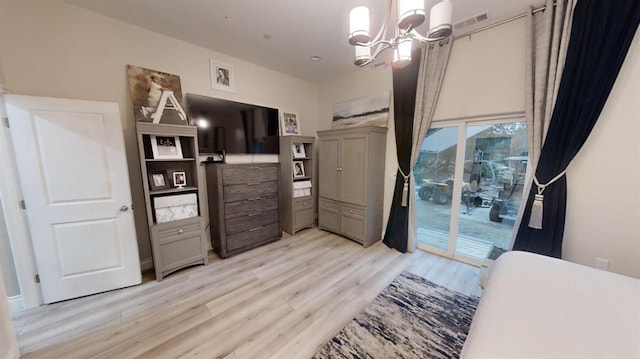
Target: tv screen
{"x": 233, "y": 127}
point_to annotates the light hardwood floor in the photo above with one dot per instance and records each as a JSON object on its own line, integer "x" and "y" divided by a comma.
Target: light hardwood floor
{"x": 282, "y": 300}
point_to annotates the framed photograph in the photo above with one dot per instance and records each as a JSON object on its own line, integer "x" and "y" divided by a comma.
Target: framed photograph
{"x": 179, "y": 179}
{"x": 158, "y": 180}
{"x": 289, "y": 124}
{"x": 222, "y": 76}
{"x": 166, "y": 147}
{"x": 298, "y": 169}
{"x": 298, "y": 150}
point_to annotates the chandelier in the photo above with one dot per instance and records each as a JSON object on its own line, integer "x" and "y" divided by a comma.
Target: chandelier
{"x": 410, "y": 15}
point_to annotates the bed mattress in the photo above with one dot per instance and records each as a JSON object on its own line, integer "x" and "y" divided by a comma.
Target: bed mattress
{"x": 539, "y": 307}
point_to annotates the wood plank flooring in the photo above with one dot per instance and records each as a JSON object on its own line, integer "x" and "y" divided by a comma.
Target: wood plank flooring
{"x": 282, "y": 300}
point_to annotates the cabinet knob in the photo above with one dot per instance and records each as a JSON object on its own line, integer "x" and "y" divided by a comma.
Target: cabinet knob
{"x": 351, "y": 211}
{"x": 180, "y": 231}
{"x": 124, "y": 209}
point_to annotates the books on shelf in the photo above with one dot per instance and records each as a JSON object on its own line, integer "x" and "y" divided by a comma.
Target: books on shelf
{"x": 301, "y": 189}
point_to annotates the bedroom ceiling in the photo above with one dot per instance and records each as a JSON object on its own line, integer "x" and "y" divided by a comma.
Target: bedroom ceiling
{"x": 281, "y": 35}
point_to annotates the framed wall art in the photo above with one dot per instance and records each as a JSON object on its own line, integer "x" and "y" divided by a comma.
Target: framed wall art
{"x": 156, "y": 96}
{"x": 289, "y": 124}
{"x": 222, "y": 76}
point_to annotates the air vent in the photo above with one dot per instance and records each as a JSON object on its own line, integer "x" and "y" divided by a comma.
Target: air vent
{"x": 471, "y": 21}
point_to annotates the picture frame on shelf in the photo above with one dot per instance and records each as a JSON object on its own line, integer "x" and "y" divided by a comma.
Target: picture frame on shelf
{"x": 222, "y": 76}
{"x": 158, "y": 180}
{"x": 179, "y": 179}
{"x": 166, "y": 147}
{"x": 298, "y": 150}
{"x": 289, "y": 124}
{"x": 298, "y": 169}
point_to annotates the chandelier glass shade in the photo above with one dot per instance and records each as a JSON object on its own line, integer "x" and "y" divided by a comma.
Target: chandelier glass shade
{"x": 410, "y": 14}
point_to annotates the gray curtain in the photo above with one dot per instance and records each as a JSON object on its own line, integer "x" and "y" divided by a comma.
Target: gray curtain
{"x": 433, "y": 65}
{"x": 547, "y": 40}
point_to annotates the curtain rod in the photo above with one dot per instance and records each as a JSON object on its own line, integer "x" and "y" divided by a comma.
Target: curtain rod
{"x": 499, "y": 23}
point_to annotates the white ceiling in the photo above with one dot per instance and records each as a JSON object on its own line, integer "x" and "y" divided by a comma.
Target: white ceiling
{"x": 278, "y": 34}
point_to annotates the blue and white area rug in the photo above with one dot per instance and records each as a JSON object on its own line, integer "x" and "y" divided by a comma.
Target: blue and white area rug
{"x": 411, "y": 318}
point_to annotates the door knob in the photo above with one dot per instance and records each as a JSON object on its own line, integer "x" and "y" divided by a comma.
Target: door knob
{"x": 124, "y": 209}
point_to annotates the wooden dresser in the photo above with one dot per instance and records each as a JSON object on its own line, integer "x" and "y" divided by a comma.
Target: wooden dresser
{"x": 243, "y": 206}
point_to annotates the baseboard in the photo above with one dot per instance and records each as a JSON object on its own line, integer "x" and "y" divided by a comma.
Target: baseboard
{"x": 146, "y": 264}
{"x": 16, "y": 303}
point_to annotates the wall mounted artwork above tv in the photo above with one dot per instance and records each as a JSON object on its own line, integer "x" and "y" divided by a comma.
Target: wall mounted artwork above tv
{"x": 233, "y": 127}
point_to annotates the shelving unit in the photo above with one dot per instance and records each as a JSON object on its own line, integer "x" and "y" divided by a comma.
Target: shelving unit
{"x": 297, "y": 204}
{"x": 175, "y": 223}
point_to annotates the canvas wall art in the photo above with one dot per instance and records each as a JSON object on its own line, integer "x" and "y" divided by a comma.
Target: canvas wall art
{"x": 364, "y": 111}
{"x": 156, "y": 96}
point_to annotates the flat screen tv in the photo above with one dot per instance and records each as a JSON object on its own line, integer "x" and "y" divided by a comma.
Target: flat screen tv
{"x": 233, "y": 127}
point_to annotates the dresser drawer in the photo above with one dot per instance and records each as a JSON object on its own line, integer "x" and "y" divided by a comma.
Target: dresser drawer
{"x": 352, "y": 222}
{"x": 253, "y": 205}
{"x": 176, "y": 230}
{"x": 301, "y": 204}
{"x": 329, "y": 215}
{"x": 180, "y": 252}
{"x": 250, "y": 191}
{"x": 253, "y": 236}
{"x": 251, "y": 221}
{"x": 249, "y": 174}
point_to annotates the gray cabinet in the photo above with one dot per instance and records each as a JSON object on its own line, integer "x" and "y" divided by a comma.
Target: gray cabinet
{"x": 351, "y": 182}
{"x": 243, "y": 206}
{"x": 297, "y": 205}
{"x": 177, "y": 232}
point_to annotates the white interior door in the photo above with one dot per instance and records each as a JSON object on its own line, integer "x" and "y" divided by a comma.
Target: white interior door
{"x": 73, "y": 173}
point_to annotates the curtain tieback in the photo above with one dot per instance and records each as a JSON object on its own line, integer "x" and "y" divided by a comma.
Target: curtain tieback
{"x": 535, "y": 220}
{"x": 405, "y": 187}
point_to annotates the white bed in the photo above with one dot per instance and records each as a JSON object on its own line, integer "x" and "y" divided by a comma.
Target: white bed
{"x": 538, "y": 307}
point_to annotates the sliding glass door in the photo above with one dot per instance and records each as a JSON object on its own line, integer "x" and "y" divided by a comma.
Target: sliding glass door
{"x": 469, "y": 180}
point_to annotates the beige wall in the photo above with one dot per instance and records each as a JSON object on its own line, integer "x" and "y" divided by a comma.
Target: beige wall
{"x": 8, "y": 343}
{"x": 54, "y": 49}
{"x": 6, "y": 259}
{"x": 362, "y": 83}
{"x": 603, "y": 215}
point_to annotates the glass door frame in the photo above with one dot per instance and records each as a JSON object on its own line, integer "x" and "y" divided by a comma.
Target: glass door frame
{"x": 462, "y": 125}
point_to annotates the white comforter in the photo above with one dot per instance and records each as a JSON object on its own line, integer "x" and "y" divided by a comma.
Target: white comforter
{"x": 539, "y": 307}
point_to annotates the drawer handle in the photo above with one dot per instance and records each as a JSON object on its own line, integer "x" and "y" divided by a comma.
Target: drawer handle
{"x": 253, "y": 214}
{"x": 255, "y": 199}
{"x": 180, "y": 231}
{"x": 253, "y": 183}
{"x": 255, "y": 229}
{"x": 253, "y": 167}
{"x": 351, "y": 211}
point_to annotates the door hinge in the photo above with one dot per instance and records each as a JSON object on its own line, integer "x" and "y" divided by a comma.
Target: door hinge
{"x": 37, "y": 278}
{"x": 6, "y": 122}
{"x": 23, "y": 205}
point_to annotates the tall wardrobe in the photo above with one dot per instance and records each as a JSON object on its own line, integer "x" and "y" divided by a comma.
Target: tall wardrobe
{"x": 351, "y": 182}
